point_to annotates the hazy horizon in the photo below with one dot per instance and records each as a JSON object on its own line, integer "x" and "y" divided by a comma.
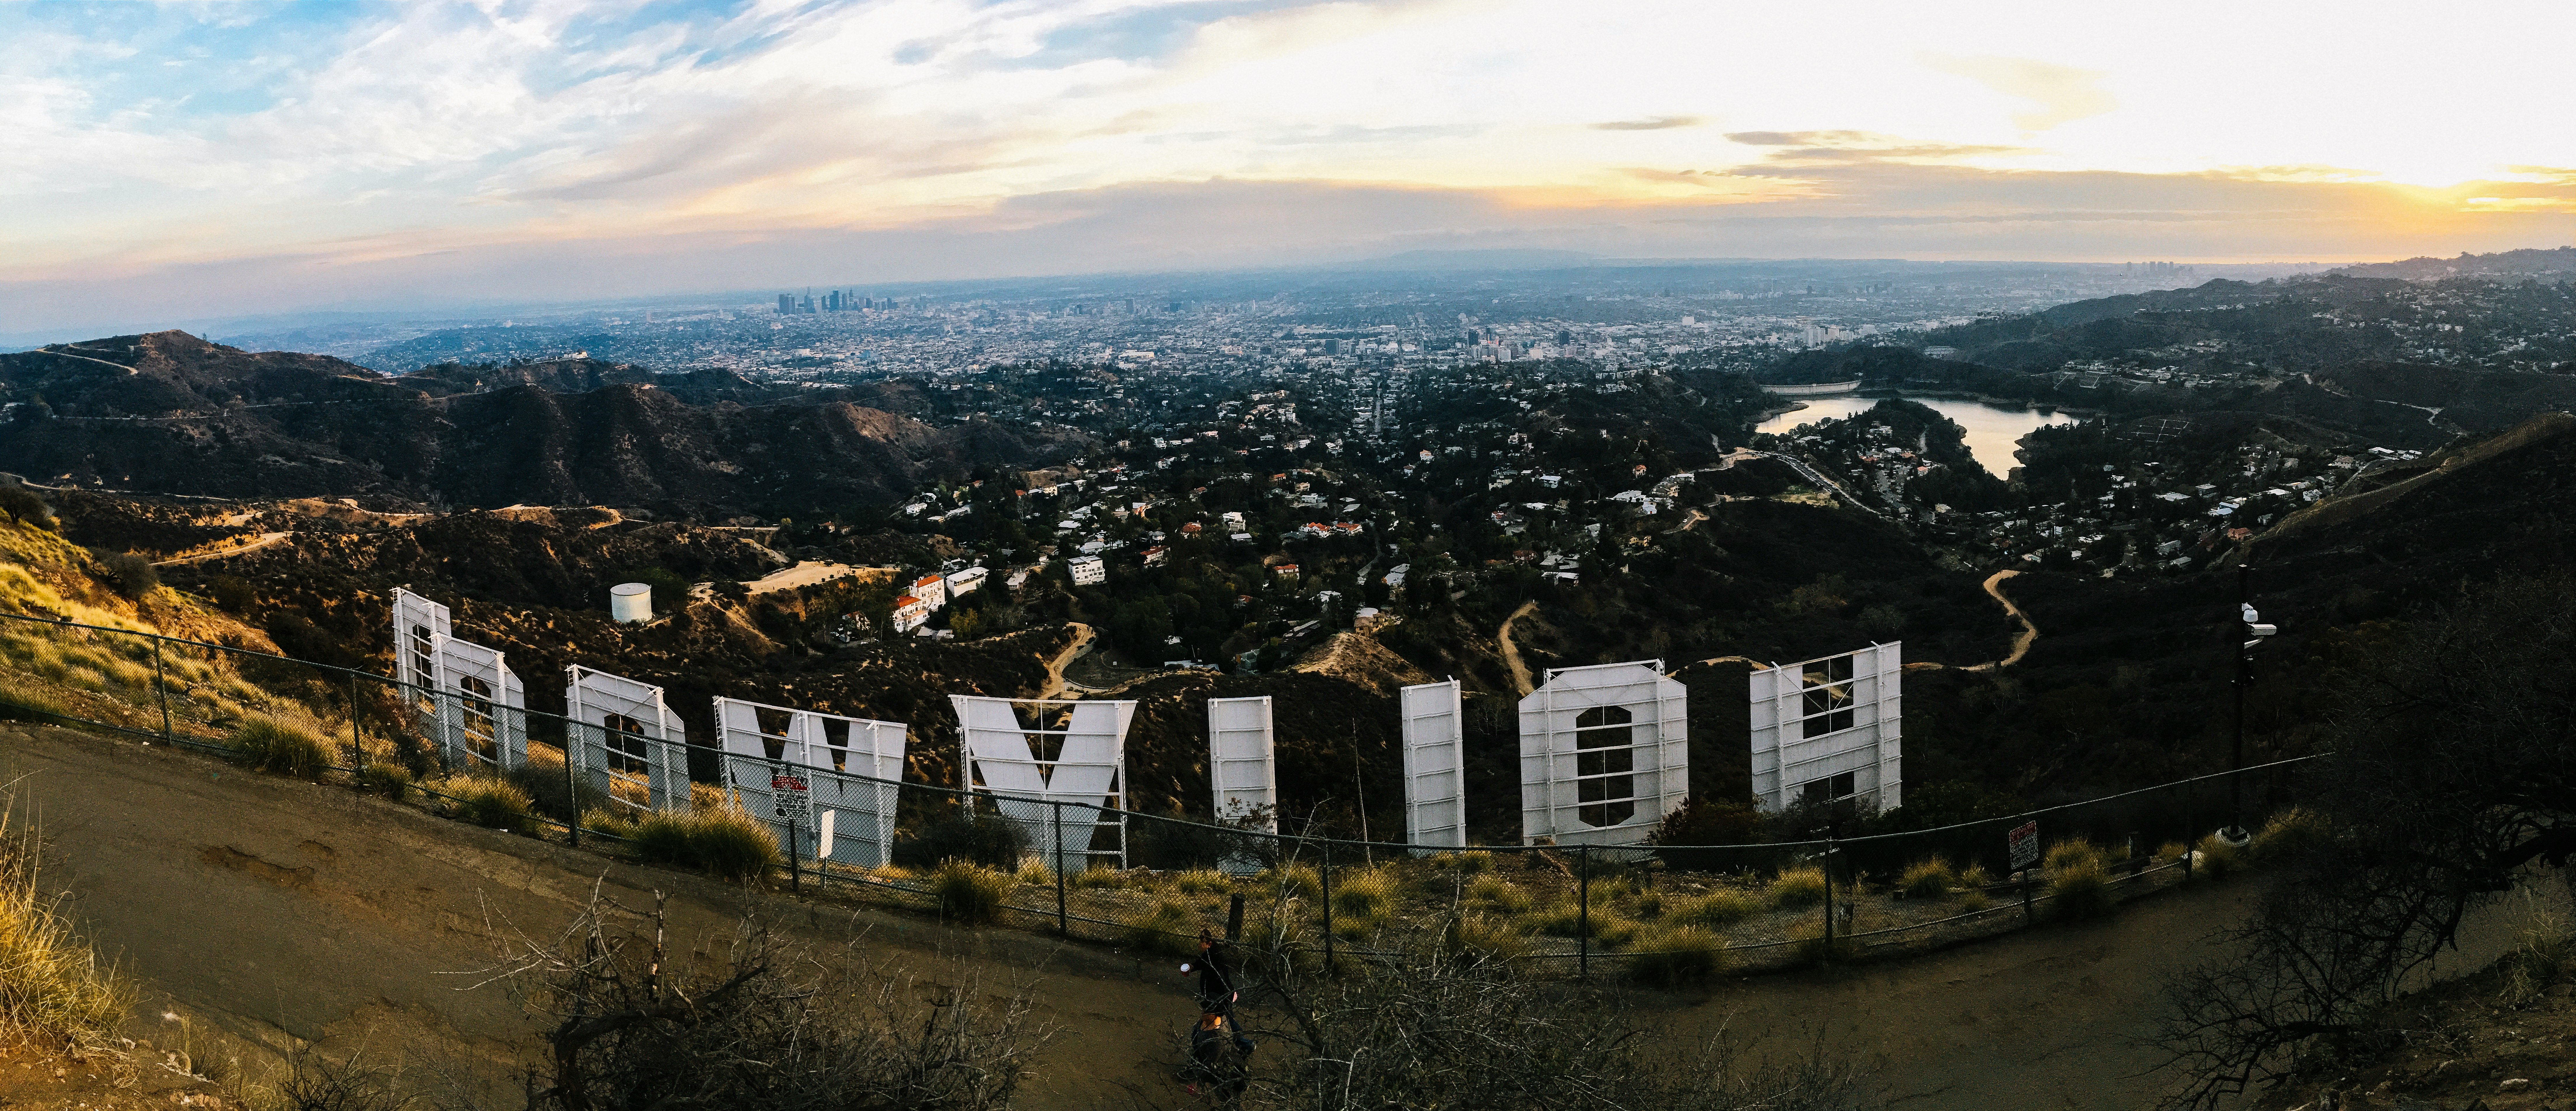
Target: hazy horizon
{"x": 196, "y": 163}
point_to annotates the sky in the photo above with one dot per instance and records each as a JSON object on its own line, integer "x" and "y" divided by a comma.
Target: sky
{"x": 194, "y": 160}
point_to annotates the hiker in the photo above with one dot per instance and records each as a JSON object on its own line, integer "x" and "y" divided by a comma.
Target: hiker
{"x": 1217, "y": 996}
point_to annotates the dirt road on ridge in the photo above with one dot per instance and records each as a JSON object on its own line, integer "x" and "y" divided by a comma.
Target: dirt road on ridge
{"x": 266, "y": 907}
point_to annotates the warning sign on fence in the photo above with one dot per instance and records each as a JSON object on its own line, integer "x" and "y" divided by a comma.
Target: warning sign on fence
{"x": 794, "y": 802}
{"x": 2024, "y": 843}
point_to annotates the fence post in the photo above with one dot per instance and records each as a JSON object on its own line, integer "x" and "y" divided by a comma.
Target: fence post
{"x": 1328, "y": 906}
{"x": 1583, "y": 912}
{"x": 2028, "y": 881}
{"x": 1829, "y": 894}
{"x": 795, "y": 881}
{"x": 357, "y": 741}
{"x": 1055, "y": 840}
{"x": 572, "y": 782}
{"x": 162, "y": 686}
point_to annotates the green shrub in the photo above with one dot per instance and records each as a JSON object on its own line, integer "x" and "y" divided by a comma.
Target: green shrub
{"x": 1928, "y": 879}
{"x": 1810, "y": 947}
{"x": 1498, "y": 894}
{"x": 1282, "y": 931}
{"x": 1645, "y": 904}
{"x": 132, "y": 575}
{"x": 2288, "y": 834}
{"x": 2218, "y": 859}
{"x": 1470, "y": 862}
{"x": 2171, "y": 851}
{"x": 16, "y": 701}
{"x": 1168, "y": 926}
{"x": 1099, "y": 877}
{"x": 1972, "y": 900}
{"x": 728, "y": 842}
{"x": 982, "y": 836}
{"x": 1974, "y": 876}
{"x": 280, "y": 749}
{"x": 2078, "y": 853}
{"x": 386, "y": 778}
{"x": 723, "y": 841}
{"x": 1203, "y": 881}
{"x": 1300, "y": 880}
{"x": 1033, "y": 871}
{"x": 615, "y": 821}
{"x": 1798, "y": 888}
{"x": 1722, "y": 907}
{"x": 490, "y": 803}
{"x": 1363, "y": 897}
{"x": 1476, "y": 937}
{"x": 1566, "y": 919}
{"x": 2081, "y": 891}
{"x": 1677, "y": 956}
{"x": 553, "y": 795}
{"x": 969, "y": 892}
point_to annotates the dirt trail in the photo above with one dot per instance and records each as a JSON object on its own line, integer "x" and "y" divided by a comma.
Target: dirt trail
{"x": 2029, "y": 632}
{"x": 271, "y": 907}
{"x": 1512, "y": 653}
{"x": 267, "y": 907}
{"x": 1055, "y": 684}
{"x": 265, "y": 539}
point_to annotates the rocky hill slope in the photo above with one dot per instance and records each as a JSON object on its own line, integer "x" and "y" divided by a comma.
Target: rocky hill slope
{"x": 171, "y": 413}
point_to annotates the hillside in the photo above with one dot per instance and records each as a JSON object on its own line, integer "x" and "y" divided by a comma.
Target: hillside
{"x": 169, "y": 413}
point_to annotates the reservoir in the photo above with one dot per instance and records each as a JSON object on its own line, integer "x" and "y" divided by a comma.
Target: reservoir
{"x": 1994, "y": 431}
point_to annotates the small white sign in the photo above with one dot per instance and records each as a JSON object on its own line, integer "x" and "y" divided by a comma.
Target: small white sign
{"x": 2023, "y": 840}
{"x": 823, "y": 836}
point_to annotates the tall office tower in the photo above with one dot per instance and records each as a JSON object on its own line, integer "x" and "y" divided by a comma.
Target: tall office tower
{"x": 786, "y": 303}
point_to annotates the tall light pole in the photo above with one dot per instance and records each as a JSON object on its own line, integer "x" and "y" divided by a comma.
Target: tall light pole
{"x": 2250, "y": 633}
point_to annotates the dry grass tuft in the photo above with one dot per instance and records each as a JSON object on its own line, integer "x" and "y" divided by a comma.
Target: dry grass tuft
{"x": 969, "y": 892}
{"x": 1169, "y": 926}
{"x": 1796, "y": 888}
{"x": 1722, "y": 907}
{"x": 278, "y": 748}
{"x": 1678, "y": 956}
{"x": 52, "y": 987}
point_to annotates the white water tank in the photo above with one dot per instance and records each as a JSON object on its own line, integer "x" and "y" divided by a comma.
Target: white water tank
{"x": 630, "y": 602}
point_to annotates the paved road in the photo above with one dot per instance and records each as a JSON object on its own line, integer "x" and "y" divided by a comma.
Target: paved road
{"x": 267, "y": 908}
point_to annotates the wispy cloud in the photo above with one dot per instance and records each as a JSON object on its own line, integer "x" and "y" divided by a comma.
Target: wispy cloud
{"x": 2058, "y": 94}
{"x": 1650, "y": 123}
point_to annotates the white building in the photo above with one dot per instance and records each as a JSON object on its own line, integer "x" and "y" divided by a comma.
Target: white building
{"x": 910, "y": 612}
{"x": 1088, "y": 570}
{"x": 966, "y": 582}
{"x": 932, "y": 590}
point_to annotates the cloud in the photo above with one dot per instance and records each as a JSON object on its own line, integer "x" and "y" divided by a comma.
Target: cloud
{"x": 2060, "y": 94}
{"x": 1650, "y": 123}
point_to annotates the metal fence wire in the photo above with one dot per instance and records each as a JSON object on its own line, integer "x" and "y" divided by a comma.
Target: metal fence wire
{"x": 1563, "y": 907}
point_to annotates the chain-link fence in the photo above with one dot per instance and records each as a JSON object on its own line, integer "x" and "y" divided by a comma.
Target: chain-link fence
{"x": 1055, "y": 865}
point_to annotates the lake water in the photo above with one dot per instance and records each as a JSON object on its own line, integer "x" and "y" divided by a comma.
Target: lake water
{"x": 1994, "y": 431}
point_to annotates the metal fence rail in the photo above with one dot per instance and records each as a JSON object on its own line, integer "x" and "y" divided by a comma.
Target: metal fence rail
{"x": 1599, "y": 886}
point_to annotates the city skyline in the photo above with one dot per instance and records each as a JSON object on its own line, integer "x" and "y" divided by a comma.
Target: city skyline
{"x": 200, "y": 162}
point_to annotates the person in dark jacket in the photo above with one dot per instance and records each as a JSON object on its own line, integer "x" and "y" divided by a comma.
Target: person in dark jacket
{"x": 1217, "y": 993}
